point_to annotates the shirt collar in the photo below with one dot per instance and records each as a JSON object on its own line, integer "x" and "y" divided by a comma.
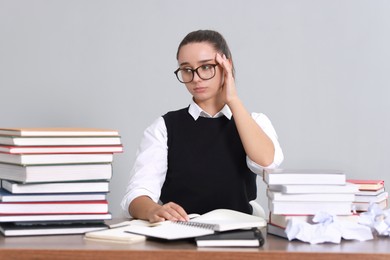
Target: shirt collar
{"x": 195, "y": 111}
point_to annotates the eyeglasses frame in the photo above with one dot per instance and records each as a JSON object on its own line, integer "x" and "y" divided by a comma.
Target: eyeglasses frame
{"x": 193, "y": 72}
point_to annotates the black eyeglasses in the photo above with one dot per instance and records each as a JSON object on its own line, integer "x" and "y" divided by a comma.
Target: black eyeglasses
{"x": 205, "y": 72}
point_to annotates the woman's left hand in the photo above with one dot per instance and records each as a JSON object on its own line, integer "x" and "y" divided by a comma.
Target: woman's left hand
{"x": 228, "y": 88}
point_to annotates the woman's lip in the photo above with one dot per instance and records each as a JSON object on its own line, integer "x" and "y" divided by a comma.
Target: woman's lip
{"x": 199, "y": 89}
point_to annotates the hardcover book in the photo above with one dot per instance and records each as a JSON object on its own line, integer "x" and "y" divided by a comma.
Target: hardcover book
{"x": 282, "y": 220}
{"x": 55, "y": 187}
{"x": 235, "y": 238}
{"x": 363, "y": 206}
{"x": 58, "y": 140}
{"x": 61, "y": 149}
{"x": 54, "y": 207}
{"x": 55, "y": 172}
{"x": 372, "y": 198}
{"x": 6, "y": 196}
{"x": 371, "y": 185}
{"x": 57, "y": 131}
{"x": 15, "y": 229}
{"x": 276, "y": 231}
{"x": 315, "y": 188}
{"x": 33, "y": 159}
{"x": 310, "y": 207}
{"x": 370, "y": 192}
{"x": 54, "y": 218}
{"x": 279, "y": 196}
{"x": 303, "y": 176}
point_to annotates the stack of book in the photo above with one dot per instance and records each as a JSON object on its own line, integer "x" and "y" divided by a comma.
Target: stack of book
{"x": 300, "y": 194}
{"x": 370, "y": 191}
{"x": 55, "y": 180}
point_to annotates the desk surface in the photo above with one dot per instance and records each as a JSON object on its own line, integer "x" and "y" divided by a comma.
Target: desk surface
{"x": 76, "y": 247}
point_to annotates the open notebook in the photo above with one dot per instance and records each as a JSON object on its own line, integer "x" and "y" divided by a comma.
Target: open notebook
{"x": 214, "y": 221}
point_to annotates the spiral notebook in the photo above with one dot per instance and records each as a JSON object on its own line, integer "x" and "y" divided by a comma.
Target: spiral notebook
{"x": 218, "y": 220}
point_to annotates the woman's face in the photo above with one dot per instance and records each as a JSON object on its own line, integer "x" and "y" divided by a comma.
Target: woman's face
{"x": 192, "y": 56}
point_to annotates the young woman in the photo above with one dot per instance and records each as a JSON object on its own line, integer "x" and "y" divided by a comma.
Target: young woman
{"x": 204, "y": 156}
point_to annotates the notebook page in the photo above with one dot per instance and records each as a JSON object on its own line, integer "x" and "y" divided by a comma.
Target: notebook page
{"x": 228, "y": 220}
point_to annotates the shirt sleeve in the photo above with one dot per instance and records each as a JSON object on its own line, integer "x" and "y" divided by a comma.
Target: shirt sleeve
{"x": 265, "y": 124}
{"x": 150, "y": 166}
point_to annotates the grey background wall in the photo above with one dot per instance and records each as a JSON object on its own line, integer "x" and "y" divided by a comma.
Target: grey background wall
{"x": 318, "y": 69}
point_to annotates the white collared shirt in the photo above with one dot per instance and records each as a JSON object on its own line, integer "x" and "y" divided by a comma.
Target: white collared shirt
{"x": 150, "y": 167}
{"x": 195, "y": 111}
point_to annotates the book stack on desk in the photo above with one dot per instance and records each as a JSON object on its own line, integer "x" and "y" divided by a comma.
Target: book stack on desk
{"x": 370, "y": 191}
{"x": 300, "y": 194}
{"x": 55, "y": 180}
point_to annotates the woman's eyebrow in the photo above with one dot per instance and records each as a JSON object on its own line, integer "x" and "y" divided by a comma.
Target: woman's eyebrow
{"x": 184, "y": 64}
{"x": 201, "y": 62}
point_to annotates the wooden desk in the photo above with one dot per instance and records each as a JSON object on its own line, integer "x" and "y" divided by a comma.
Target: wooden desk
{"x": 75, "y": 247}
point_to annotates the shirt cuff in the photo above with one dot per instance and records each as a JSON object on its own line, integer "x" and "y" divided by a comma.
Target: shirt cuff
{"x": 257, "y": 168}
{"x": 131, "y": 196}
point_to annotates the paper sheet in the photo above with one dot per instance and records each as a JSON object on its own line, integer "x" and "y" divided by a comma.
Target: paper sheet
{"x": 377, "y": 219}
{"x": 327, "y": 229}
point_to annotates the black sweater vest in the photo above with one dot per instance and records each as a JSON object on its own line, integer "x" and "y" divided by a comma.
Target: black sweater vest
{"x": 206, "y": 165}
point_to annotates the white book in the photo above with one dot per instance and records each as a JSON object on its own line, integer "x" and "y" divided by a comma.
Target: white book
{"x": 59, "y": 141}
{"x": 55, "y": 217}
{"x": 310, "y": 207}
{"x": 282, "y": 220}
{"x": 58, "y": 131}
{"x": 316, "y": 188}
{"x": 61, "y": 149}
{"x": 55, "y": 187}
{"x": 370, "y": 193}
{"x": 304, "y": 176}
{"x": 54, "y": 207}
{"x": 279, "y": 196}
{"x": 55, "y": 173}
{"x": 206, "y": 224}
{"x": 32, "y": 159}
{"x": 372, "y": 198}
{"x": 363, "y": 206}
{"x": 6, "y": 196}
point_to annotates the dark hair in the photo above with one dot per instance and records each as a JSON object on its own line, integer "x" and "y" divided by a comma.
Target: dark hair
{"x": 214, "y": 38}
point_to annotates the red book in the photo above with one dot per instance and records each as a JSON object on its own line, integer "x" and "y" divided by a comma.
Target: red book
{"x": 371, "y": 185}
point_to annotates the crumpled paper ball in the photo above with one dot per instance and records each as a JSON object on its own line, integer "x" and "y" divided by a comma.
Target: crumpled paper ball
{"x": 377, "y": 219}
{"x": 327, "y": 228}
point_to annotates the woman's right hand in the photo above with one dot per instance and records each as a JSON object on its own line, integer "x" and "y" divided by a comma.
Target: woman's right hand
{"x": 143, "y": 207}
{"x": 169, "y": 211}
